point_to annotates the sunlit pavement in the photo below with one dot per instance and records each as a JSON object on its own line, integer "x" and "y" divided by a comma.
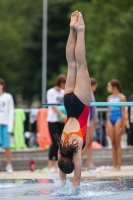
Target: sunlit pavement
{"x": 126, "y": 171}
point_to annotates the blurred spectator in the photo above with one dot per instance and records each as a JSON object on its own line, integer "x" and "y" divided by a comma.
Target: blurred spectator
{"x": 100, "y": 135}
{"x": 56, "y": 119}
{"x": 92, "y": 120}
{"x": 6, "y": 122}
{"x": 130, "y": 123}
{"x": 115, "y": 125}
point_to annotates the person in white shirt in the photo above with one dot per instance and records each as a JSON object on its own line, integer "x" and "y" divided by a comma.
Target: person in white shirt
{"x": 6, "y": 122}
{"x": 56, "y": 119}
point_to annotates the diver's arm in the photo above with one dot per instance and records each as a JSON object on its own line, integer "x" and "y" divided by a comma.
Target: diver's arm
{"x": 62, "y": 177}
{"x": 77, "y": 169}
{"x": 62, "y": 174}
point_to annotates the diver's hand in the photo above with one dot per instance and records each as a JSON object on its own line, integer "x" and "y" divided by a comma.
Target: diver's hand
{"x": 62, "y": 178}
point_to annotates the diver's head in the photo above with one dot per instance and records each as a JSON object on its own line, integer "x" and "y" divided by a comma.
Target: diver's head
{"x": 65, "y": 164}
{"x": 67, "y": 150}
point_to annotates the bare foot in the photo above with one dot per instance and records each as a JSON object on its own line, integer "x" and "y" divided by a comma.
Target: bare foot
{"x": 74, "y": 18}
{"x": 113, "y": 169}
{"x": 117, "y": 169}
{"x": 80, "y": 23}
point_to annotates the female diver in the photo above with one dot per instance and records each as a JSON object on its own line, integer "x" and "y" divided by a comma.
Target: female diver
{"x": 76, "y": 100}
{"x": 115, "y": 121}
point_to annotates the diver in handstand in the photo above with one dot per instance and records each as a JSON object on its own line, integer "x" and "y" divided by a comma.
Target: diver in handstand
{"x": 77, "y": 99}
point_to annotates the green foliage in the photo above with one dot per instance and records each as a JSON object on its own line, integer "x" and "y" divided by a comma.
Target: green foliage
{"x": 14, "y": 26}
{"x": 31, "y": 61}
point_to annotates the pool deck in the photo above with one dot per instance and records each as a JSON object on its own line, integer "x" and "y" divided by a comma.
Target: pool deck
{"x": 126, "y": 171}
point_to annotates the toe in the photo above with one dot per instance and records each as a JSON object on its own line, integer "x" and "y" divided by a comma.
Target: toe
{"x": 74, "y": 18}
{"x": 79, "y": 14}
{"x": 75, "y": 14}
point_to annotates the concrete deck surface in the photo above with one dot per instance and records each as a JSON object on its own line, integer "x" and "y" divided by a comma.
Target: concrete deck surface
{"x": 126, "y": 171}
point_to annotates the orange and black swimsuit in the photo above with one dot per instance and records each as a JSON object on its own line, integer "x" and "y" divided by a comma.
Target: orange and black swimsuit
{"x": 75, "y": 108}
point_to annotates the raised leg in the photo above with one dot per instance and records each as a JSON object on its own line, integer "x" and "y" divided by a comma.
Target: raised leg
{"x": 70, "y": 56}
{"x": 83, "y": 86}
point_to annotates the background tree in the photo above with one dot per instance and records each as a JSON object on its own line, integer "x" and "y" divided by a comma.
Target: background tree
{"x": 14, "y": 26}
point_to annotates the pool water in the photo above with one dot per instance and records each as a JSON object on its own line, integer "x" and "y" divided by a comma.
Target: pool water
{"x": 50, "y": 189}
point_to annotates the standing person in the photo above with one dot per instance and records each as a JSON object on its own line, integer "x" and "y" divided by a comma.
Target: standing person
{"x": 76, "y": 100}
{"x": 6, "y": 122}
{"x": 115, "y": 125}
{"x": 92, "y": 120}
{"x": 55, "y": 124}
{"x": 130, "y": 123}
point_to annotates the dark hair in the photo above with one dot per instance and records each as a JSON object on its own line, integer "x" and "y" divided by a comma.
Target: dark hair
{"x": 65, "y": 164}
{"x": 2, "y": 82}
{"x": 116, "y": 83}
{"x": 93, "y": 81}
{"x": 60, "y": 79}
{"x": 67, "y": 151}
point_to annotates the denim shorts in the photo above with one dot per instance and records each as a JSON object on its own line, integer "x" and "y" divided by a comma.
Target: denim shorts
{"x": 4, "y": 137}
